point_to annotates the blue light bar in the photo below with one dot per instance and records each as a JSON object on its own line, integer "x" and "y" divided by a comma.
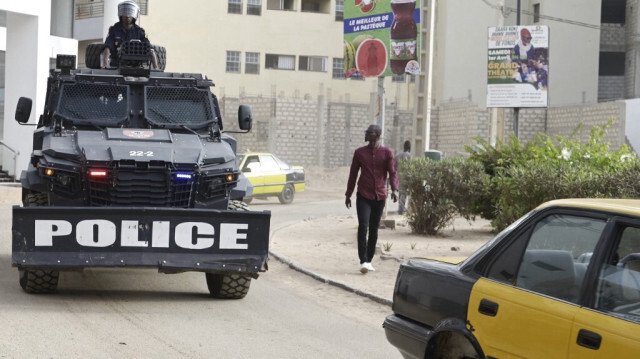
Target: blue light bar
{"x": 181, "y": 175}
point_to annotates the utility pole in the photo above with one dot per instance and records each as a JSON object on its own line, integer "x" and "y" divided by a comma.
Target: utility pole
{"x": 381, "y": 107}
{"x": 516, "y": 110}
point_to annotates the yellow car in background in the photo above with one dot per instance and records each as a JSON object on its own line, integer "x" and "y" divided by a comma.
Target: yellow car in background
{"x": 271, "y": 176}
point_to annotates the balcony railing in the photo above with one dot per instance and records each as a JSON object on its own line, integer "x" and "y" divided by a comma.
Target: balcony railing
{"x": 96, "y": 9}
{"x": 93, "y": 9}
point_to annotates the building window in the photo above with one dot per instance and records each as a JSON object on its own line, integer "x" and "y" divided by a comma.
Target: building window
{"x": 144, "y": 6}
{"x": 233, "y": 61}
{"x": 319, "y": 6}
{"x": 339, "y": 10}
{"x": 235, "y": 7}
{"x": 280, "y": 5}
{"x": 613, "y": 12}
{"x": 312, "y": 63}
{"x": 252, "y": 63}
{"x": 536, "y": 13}
{"x": 280, "y": 62}
{"x": 611, "y": 64}
{"x": 254, "y": 7}
{"x": 338, "y": 69}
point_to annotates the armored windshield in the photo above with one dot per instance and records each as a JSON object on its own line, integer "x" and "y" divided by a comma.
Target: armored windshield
{"x": 174, "y": 107}
{"x": 97, "y": 104}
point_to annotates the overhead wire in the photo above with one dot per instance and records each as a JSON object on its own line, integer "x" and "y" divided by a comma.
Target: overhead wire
{"x": 506, "y": 10}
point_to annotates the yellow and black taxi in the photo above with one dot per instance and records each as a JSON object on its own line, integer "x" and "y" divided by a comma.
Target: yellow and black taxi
{"x": 270, "y": 176}
{"x": 561, "y": 282}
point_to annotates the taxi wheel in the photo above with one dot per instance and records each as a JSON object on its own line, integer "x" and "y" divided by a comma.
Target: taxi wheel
{"x": 451, "y": 345}
{"x": 247, "y": 200}
{"x": 286, "y": 196}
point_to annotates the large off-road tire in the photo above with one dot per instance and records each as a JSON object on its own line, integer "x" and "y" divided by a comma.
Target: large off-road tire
{"x": 161, "y": 56}
{"x": 287, "y": 194}
{"x": 38, "y": 281}
{"x": 238, "y": 205}
{"x": 93, "y": 55}
{"x": 36, "y": 199}
{"x": 228, "y": 286}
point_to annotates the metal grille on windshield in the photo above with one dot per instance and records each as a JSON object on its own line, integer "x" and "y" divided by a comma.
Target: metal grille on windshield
{"x": 175, "y": 106}
{"x": 95, "y": 103}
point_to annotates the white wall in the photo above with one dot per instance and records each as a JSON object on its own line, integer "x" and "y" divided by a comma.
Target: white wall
{"x": 461, "y": 47}
{"x": 198, "y": 36}
{"x": 632, "y": 125}
{"x": 460, "y": 63}
{"x": 87, "y": 29}
{"x": 573, "y": 51}
{"x": 28, "y": 47}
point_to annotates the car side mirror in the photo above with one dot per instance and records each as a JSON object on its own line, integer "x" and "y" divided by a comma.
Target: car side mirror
{"x": 23, "y": 109}
{"x": 244, "y": 118}
{"x": 246, "y": 170}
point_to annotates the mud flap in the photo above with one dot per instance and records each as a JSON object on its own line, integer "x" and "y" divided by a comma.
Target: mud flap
{"x": 171, "y": 239}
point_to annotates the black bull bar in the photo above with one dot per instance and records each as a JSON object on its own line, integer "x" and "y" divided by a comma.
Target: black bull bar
{"x": 171, "y": 239}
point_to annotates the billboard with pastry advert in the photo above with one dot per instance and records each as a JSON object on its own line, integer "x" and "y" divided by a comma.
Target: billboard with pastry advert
{"x": 381, "y": 37}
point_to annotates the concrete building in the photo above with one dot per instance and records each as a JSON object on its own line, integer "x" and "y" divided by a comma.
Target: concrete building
{"x": 290, "y": 48}
{"x": 592, "y": 61}
{"x": 32, "y": 33}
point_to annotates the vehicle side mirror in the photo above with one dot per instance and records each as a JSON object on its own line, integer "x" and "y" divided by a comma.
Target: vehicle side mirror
{"x": 23, "y": 110}
{"x": 244, "y": 118}
{"x": 246, "y": 170}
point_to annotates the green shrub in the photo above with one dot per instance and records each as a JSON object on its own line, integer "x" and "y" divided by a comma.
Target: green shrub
{"x": 440, "y": 190}
{"x": 522, "y": 177}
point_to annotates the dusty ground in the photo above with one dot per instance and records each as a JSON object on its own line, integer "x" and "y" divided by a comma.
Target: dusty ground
{"x": 328, "y": 246}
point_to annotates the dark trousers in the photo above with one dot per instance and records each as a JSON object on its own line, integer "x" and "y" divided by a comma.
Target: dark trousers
{"x": 369, "y": 214}
{"x": 402, "y": 201}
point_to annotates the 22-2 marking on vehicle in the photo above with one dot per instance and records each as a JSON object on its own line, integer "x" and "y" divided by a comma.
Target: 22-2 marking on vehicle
{"x": 141, "y": 153}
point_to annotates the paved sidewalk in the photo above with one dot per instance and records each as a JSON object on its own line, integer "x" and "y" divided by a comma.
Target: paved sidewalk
{"x": 326, "y": 249}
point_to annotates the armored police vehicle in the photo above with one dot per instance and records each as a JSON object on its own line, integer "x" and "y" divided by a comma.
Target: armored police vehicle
{"x": 131, "y": 168}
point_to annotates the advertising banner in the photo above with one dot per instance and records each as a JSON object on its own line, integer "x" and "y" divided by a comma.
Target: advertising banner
{"x": 381, "y": 37}
{"x": 518, "y": 66}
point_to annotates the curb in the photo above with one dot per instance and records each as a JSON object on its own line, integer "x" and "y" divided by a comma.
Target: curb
{"x": 318, "y": 277}
{"x": 332, "y": 282}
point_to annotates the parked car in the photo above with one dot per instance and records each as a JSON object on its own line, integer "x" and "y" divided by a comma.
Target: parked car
{"x": 561, "y": 282}
{"x": 271, "y": 176}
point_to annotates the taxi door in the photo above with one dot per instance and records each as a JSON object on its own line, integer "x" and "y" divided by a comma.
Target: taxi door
{"x": 274, "y": 178}
{"x": 598, "y": 335}
{"x": 609, "y": 325}
{"x": 253, "y": 171}
{"x": 525, "y": 303}
{"x": 509, "y": 322}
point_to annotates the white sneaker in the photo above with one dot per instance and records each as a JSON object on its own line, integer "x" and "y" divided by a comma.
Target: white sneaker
{"x": 364, "y": 268}
{"x": 370, "y": 267}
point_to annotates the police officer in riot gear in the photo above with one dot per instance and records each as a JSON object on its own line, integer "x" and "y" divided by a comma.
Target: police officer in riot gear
{"x": 124, "y": 30}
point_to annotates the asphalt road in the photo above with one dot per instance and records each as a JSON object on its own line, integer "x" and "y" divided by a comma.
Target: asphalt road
{"x": 108, "y": 313}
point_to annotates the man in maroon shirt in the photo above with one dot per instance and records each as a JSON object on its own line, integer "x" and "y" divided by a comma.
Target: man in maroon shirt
{"x": 373, "y": 161}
